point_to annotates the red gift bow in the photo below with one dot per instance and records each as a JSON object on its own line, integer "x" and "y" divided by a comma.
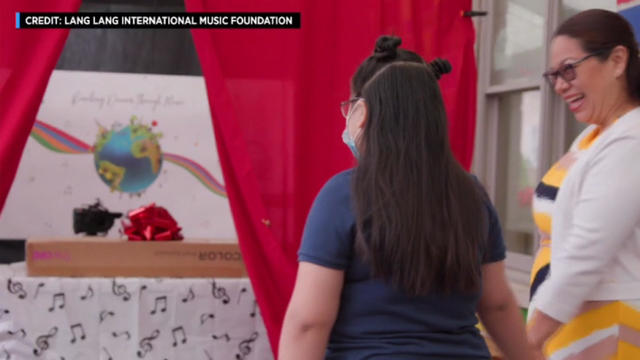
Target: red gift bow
{"x": 150, "y": 223}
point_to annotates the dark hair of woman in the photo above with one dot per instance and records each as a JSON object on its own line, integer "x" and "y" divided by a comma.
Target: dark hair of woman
{"x": 420, "y": 217}
{"x": 599, "y": 31}
{"x": 385, "y": 52}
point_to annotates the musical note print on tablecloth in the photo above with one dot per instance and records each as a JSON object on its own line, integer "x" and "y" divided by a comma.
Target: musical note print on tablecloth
{"x": 220, "y": 293}
{"x": 142, "y": 288}
{"x": 22, "y": 333}
{"x": 145, "y": 344}
{"x": 190, "y": 296}
{"x": 57, "y": 298}
{"x": 42, "y": 342}
{"x": 40, "y": 285}
{"x": 160, "y": 300}
{"x": 178, "y": 330}
{"x": 204, "y": 317}
{"x": 73, "y": 331}
{"x": 109, "y": 357}
{"x": 220, "y": 337}
{"x": 242, "y": 292}
{"x": 122, "y": 333}
{"x": 120, "y": 290}
{"x": 244, "y": 347}
{"x": 16, "y": 288}
{"x": 88, "y": 294}
{"x": 6, "y": 354}
{"x": 206, "y": 353}
{"x": 104, "y": 314}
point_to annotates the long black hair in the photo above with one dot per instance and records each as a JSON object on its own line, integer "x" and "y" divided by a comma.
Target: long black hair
{"x": 419, "y": 214}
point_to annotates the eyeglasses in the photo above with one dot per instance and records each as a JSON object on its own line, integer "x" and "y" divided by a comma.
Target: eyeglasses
{"x": 567, "y": 71}
{"x": 345, "y": 106}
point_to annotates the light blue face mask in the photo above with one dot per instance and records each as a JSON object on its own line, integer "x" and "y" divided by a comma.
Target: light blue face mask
{"x": 348, "y": 140}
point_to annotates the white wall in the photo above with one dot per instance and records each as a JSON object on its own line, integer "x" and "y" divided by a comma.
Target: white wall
{"x": 49, "y": 185}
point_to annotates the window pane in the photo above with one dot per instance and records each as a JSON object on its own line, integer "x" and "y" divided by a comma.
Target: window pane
{"x": 518, "y": 142}
{"x": 572, "y": 7}
{"x": 518, "y": 40}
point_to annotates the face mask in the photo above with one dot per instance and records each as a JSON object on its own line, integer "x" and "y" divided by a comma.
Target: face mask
{"x": 346, "y": 138}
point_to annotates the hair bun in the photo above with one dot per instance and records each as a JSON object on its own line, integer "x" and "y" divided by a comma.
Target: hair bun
{"x": 387, "y": 47}
{"x": 440, "y": 67}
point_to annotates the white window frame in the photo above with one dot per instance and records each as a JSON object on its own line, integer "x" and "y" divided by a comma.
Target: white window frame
{"x": 552, "y": 131}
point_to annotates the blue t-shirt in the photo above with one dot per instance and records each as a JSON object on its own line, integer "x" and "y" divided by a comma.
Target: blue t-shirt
{"x": 375, "y": 320}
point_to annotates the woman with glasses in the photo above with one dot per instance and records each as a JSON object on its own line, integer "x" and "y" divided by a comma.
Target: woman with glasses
{"x": 586, "y": 276}
{"x": 399, "y": 253}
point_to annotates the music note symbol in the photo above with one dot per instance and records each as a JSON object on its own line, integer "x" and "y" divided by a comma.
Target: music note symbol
{"x": 209, "y": 357}
{"x": 109, "y": 357}
{"x": 146, "y": 345}
{"x": 142, "y": 288}
{"x": 122, "y": 333}
{"x": 173, "y": 333}
{"x": 16, "y": 288}
{"x": 21, "y": 332}
{"x": 120, "y": 290}
{"x": 219, "y": 293}
{"x": 42, "y": 342}
{"x": 3, "y": 312}
{"x": 104, "y": 314}
{"x": 73, "y": 331}
{"x": 223, "y": 336}
{"x": 255, "y": 309}
{"x": 35, "y": 296}
{"x": 88, "y": 295}
{"x": 159, "y": 300}
{"x": 58, "y": 297}
{"x": 8, "y": 356}
{"x": 245, "y": 346}
{"x": 204, "y": 317}
{"x": 190, "y": 296}
{"x": 242, "y": 291}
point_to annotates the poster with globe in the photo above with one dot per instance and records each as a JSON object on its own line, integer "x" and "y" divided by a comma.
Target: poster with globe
{"x": 128, "y": 140}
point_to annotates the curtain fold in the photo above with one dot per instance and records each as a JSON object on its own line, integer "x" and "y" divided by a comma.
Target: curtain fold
{"x": 27, "y": 58}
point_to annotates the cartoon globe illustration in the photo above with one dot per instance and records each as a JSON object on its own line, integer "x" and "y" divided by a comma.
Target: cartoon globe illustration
{"x": 128, "y": 159}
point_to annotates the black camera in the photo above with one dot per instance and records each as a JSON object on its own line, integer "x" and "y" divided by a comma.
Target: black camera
{"x": 93, "y": 220}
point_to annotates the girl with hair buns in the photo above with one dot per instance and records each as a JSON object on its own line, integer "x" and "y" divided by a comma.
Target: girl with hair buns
{"x": 400, "y": 252}
{"x": 585, "y": 283}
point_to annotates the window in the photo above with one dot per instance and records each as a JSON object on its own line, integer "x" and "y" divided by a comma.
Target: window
{"x": 509, "y": 115}
{"x": 522, "y": 127}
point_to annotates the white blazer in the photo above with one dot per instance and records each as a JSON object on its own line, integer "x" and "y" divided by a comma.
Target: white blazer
{"x": 595, "y": 232}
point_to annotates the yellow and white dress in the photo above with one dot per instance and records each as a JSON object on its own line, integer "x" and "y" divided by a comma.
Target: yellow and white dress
{"x": 602, "y": 329}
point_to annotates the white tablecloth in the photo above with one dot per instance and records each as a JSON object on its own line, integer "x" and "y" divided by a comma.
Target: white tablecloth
{"x": 128, "y": 318}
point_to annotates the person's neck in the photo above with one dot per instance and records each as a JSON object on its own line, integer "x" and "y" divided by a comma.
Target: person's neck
{"x": 619, "y": 111}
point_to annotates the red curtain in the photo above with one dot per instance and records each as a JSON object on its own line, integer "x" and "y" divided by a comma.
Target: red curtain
{"x": 27, "y": 58}
{"x": 274, "y": 98}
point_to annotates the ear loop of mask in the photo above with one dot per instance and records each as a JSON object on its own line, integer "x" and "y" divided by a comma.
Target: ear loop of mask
{"x": 347, "y": 139}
